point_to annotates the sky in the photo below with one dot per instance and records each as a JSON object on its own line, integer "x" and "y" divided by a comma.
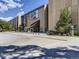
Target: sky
{"x": 12, "y": 8}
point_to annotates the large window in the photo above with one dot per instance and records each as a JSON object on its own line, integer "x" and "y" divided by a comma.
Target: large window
{"x": 34, "y": 14}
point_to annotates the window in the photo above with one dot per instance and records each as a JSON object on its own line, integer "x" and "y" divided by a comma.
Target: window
{"x": 34, "y": 14}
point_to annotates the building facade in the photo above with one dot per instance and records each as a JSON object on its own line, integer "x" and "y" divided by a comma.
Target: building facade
{"x": 16, "y": 23}
{"x": 44, "y": 18}
{"x": 37, "y": 19}
{"x": 24, "y": 23}
{"x": 34, "y": 21}
{"x": 56, "y": 6}
{"x": 13, "y": 23}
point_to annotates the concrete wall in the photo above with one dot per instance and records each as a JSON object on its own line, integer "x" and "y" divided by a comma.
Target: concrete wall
{"x": 55, "y": 8}
{"x": 19, "y": 20}
{"x": 13, "y": 23}
{"x": 41, "y": 16}
{"x": 28, "y": 22}
{"x": 42, "y": 19}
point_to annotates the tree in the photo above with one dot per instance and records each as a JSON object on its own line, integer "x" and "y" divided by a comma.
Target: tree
{"x": 5, "y": 25}
{"x": 63, "y": 25}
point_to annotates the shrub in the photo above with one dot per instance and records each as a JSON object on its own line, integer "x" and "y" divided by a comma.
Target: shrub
{"x": 52, "y": 32}
{"x": 76, "y": 33}
{"x": 63, "y": 25}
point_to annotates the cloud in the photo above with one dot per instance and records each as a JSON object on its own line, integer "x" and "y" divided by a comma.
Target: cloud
{"x": 10, "y": 4}
{"x": 18, "y": 0}
{"x": 21, "y": 9}
{"x": 6, "y": 18}
{"x": 3, "y": 7}
{"x": 20, "y": 13}
{"x": 9, "y": 18}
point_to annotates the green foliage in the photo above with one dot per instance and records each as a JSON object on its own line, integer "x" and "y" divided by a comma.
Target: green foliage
{"x": 5, "y": 25}
{"x": 76, "y": 33}
{"x": 63, "y": 25}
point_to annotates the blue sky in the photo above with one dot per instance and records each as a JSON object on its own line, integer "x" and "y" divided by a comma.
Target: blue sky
{"x": 11, "y": 8}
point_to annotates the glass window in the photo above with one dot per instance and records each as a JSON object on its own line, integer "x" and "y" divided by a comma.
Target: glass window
{"x": 34, "y": 14}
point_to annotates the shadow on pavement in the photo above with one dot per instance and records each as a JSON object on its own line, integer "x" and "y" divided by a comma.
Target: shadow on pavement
{"x": 36, "y": 52}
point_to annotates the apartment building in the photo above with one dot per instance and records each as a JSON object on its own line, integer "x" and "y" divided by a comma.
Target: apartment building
{"x": 55, "y": 7}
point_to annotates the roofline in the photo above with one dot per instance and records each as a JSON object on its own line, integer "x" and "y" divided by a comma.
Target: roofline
{"x": 31, "y": 11}
{"x": 34, "y": 9}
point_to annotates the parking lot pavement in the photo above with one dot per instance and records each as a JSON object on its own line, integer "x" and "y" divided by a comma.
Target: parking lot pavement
{"x": 53, "y": 46}
{"x": 10, "y": 38}
{"x": 43, "y": 40}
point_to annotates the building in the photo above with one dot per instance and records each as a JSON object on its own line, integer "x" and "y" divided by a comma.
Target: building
{"x": 55, "y": 7}
{"x": 45, "y": 17}
{"x": 24, "y": 23}
{"x": 36, "y": 20}
{"x": 13, "y": 23}
{"x": 16, "y": 23}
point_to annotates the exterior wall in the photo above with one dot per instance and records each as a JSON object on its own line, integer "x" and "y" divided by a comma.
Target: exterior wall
{"x": 75, "y": 13}
{"x": 17, "y": 23}
{"x": 42, "y": 19}
{"x": 19, "y": 19}
{"x": 24, "y": 23}
{"x": 28, "y": 22}
{"x": 42, "y": 14}
{"x": 13, "y": 23}
{"x": 55, "y": 8}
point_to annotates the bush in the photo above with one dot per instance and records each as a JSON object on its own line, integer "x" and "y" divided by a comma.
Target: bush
{"x": 5, "y": 25}
{"x": 52, "y": 32}
{"x": 76, "y": 33}
{"x": 64, "y": 23}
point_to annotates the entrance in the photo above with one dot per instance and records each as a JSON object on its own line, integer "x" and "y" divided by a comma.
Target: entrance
{"x": 35, "y": 27}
